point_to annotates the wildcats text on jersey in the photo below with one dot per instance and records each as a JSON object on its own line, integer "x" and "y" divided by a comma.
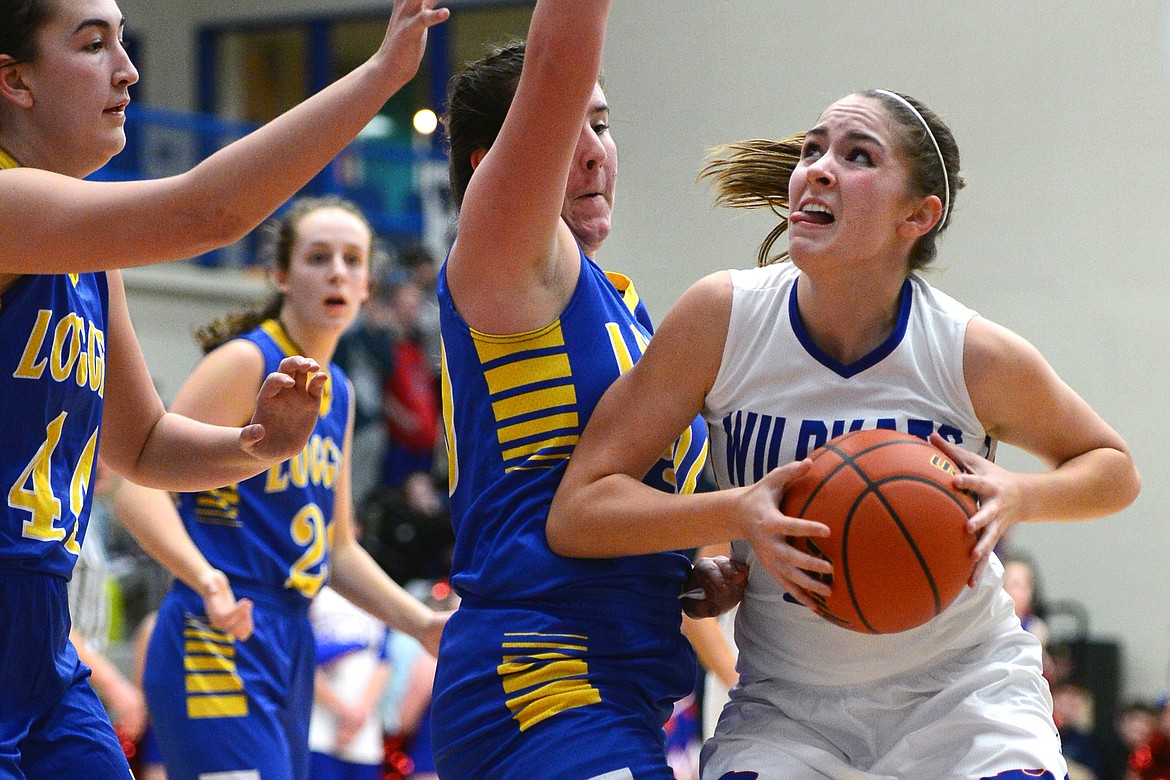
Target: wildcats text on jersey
{"x": 769, "y": 438}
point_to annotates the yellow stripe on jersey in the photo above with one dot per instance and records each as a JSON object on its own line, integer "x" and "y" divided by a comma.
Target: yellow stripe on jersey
{"x": 198, "y": 647}
{"x": 449, "y": 422}
{"x": 209, "y": 663}
{"x": 214, "y": 689}
{"x": 213, "y": 683}
{"x": 543, "y": 645}
{"x": 278, "y": 334}
{"x": 220, "y": 506}
{"x": 537, "y": 399}
{"x": 517, "y": 676}
{"x": 521, "y": 372}
{"x": 532, "y": 452}
{"x": 6, "y": 161}
{"x": 530, "y": 382}
{"x": 542, "y": 703}
{"x": 235, "y": 706}
{"x": 690, "y": 479}
{"x": 621, "y": 352}
{"x": 546, "y": 683}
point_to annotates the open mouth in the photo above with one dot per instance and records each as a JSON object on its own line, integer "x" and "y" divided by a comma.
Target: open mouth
{"x": 814, "y": 214}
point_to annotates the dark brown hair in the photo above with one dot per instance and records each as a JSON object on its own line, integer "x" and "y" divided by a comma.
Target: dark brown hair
{"x": 279, "y": 234}
{"x": 755, "y": 174}
{"x": 478, "y": 99}
{"x": 20, "y": 21}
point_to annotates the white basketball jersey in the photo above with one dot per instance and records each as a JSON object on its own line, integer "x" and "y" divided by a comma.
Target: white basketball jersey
{"x": 778, "y": 397}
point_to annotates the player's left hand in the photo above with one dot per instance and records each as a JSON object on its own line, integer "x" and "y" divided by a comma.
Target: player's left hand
{"x": 721, "y": 579}
{"x": 224, "y": 612}
{"x": 1000, "y": 496}
{"x": 287, "y": 408}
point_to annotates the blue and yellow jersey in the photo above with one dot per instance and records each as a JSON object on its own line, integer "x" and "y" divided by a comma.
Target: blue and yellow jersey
{"x": 52, "y": 382}
{"x": 513, "y": 409}
{"x": 273, "y": 532}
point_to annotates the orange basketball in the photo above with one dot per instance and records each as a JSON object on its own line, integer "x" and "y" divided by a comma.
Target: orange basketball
{"x": 900, "y": 549}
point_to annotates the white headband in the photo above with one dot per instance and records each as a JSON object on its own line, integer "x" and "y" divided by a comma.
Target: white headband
{"x": 946, "y": 179}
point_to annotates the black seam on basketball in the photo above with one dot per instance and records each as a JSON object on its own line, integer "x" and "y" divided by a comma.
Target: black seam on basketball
{"x": 848, "y": 460}
{"x": 875, "y": 488}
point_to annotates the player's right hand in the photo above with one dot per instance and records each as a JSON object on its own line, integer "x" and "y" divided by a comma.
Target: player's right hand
{"x": 769, "y": 530}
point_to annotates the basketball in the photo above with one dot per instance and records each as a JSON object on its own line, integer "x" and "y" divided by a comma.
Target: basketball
{"x": 899, "y": 546}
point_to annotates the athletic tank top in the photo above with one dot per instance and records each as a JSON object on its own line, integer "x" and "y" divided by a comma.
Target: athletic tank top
{"x": 273, "y": 532}
{"x": 52, "y": 384}
{"x": 513, "y": 409}
{"x": 777, "y": 397}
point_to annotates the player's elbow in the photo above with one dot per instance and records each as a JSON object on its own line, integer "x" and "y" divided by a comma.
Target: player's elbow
{"x": 1131, "y": 485}
{"x": 561, "y": 532}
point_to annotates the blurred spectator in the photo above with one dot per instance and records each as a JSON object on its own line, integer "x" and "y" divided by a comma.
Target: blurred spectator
{"x": 683, "y": 738}
{"x": 366, "y": 354}
{"x": 1072, "y": 711}
{"x": 147, "y": 762}
{"x": 1133, "y": 727}
{"x": 406, "y": 708}
{"x": 418, "y": 261}
{"x": 1020, "y": 580}
{"x": 345, "y": 730}
{"x": 410, "y": 399}
{"x": 89, "y": 611}
{"x": 407, "y": 543}
{"x": 1151, "y": 759}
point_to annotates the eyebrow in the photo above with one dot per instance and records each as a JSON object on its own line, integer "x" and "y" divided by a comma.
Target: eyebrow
{"x": 101, "y": 23}
{"x": 852, "y": 135}
{"x": 599, "y": 108}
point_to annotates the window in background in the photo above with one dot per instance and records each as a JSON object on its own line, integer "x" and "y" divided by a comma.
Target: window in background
{"x": 252, "y": 72}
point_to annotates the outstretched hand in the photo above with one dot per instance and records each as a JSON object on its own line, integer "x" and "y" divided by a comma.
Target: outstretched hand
{"x": 406, "y": 36}
{"x": 223, "y": 611}
{"x": 287, "y": 408}
{"x": 769, "y": 531}
{"x": 1001, "y": 503}
{"x": 721, "y": 582}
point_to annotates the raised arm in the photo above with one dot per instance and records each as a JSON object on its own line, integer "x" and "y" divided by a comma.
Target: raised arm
{"x": 515, "y": 262}
{"x": 1021, "y": 401}
{"x": 52, "y": 223}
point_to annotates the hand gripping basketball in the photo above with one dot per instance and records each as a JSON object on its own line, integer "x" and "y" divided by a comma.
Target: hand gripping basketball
{"x": 899, "y": 543}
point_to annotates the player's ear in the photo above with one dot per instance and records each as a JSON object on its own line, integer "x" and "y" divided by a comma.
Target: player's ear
{"x": 13, "y": 86}
{"x": 925, "y": 215}
{"x": 477, "y": 156}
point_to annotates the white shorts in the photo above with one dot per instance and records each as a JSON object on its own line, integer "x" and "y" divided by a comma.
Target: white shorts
{"x": 981, "y": 712}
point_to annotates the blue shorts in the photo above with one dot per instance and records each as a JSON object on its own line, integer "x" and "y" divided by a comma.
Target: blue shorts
{"x": 326, "y": 767}
{"x": 52, "y": 724}
{"x": 219, "y": 705}
{"x": 571, "y": 693}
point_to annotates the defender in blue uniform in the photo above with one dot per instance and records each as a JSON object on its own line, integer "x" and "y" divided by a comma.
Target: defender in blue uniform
{"x": 52, "y": 369}
{"x": 550, "y": 667}
{"x": 551, "y": 661}
{"x": 270, "y": 535}
{"x": 247, "y": 686}
{"x": 71, "y": 362}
